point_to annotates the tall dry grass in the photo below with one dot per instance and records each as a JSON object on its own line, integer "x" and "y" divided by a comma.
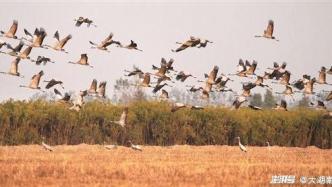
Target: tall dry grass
{"x": 152, "y": 123}
{"x": 92, "y": 165}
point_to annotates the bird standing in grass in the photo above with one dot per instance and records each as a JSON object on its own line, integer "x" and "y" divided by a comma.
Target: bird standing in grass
{"x": 45, "y": 146}
{"x": 110, "y": 147}
{"x": 135, "y": 147}
{"x": 242, "y": 147}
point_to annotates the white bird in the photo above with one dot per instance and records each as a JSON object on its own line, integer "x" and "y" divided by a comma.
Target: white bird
{"x": 123, "y": 119}
{"x": 268, "y": 145}
{"x": 79, "y": 102}
{"x": 47, "y": 147}
{"x": 109, "y": 147}
{"x": 135, "y": 147}
{"x": 242, "y": 147}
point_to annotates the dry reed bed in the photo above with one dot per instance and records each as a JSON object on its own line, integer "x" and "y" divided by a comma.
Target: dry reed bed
{"x": 92, "y": 165}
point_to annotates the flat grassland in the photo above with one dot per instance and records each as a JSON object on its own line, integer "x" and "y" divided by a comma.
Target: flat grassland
{"x": 93, "y": 165}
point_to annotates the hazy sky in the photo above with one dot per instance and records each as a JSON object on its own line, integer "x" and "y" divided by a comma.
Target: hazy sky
{"x": 304, "y": 30}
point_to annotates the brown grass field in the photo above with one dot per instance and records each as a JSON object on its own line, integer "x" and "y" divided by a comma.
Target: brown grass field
{"x": 92, "y": 165}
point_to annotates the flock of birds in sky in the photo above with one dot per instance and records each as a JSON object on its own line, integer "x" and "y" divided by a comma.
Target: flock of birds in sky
{"x": 164, "y": 73}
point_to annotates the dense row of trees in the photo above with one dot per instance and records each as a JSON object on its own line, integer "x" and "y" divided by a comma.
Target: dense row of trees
{"x": 152, "y": 123}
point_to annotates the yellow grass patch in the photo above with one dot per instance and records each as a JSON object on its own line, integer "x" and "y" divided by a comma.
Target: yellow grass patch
{"x": 93, "y": 165}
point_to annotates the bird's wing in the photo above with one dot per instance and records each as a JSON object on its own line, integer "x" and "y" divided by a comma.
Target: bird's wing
{"x": 35, "y": 80}
{"x": 170, "y": 62}
{"x": 78, "y": 23}
{"x": 101, "y": 89}
{"x": 146, "y": 79}
{"x": 270, "y": 27}
{"x": 26, "y": 32}
{"x": 163, "y": 62}
{"x": 50, "y": 84}
{"x": 9, "y": 46}
{"x": 329, "y": 97}
{"x": 57, "y": 92}
{"x": 162, "y": 70}
{"x": 322, "y": 76}
{"x": 93, "y": 86}
{"x": 164, "y": 92}
{"x": 14, "y": 66}
{"x": 207, "y": 87}
{"x": 13, "y": 28}
{"x": 248, "y": 63}
{"x": 27, "y": 50}
{"x": 36, "y": 32}
{"x": 84, "y": 59}
{"x": 241, "y": 67}
{"x": 40, "y": 36}
{"x": 213, "y": 73}
{"x": 56, "y": 35}
{"x": 19, "y": 47}
{"x": 248, "y": 86}
{"x": 157, "y": 88}
{"x": 65, "y": 40}
{"x": 108, "y": 38}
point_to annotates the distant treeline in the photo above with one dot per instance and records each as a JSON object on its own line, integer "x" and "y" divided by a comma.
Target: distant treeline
{"x": 153, "y": 123}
